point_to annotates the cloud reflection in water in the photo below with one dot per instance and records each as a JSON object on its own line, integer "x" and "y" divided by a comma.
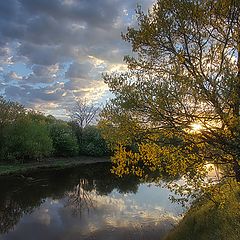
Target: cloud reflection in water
{"x": 114, "y": 216}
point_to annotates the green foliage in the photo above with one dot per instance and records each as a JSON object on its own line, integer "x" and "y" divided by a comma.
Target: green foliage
{"x": 185, "y": 71}
{"x": 92, "y": 142}
{"x": 9, "y": 111}
{"x": 40, "y": 118}
{"x": 29, "y": 135}
{"x": 77, "y": 131}
{"x": 25, "y": 139}
{"x": 64, "y": 140}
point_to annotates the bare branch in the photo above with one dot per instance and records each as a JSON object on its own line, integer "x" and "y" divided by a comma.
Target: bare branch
{"x": 84, "y": 113}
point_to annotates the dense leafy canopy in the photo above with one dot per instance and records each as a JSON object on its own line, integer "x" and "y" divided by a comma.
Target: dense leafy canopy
{"x": 26, "y": 140}
{"x": 185, "y": 72}
{"x": 64, "y": 140}
{"x": 93, "y": 143}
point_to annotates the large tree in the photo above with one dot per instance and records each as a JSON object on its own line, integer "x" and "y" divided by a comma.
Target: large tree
{"x": 177, "y": 106}
{"x": 84, "y": 113}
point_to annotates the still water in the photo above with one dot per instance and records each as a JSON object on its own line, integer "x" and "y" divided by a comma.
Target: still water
{"x": 84, "y": 203}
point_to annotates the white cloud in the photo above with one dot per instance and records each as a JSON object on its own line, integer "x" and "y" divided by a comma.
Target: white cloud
{"x": 70, "y": 41}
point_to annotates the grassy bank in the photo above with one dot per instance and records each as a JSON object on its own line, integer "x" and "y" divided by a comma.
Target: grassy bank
{"x": 51, "y": 163}
{"x": 205, "y": 221}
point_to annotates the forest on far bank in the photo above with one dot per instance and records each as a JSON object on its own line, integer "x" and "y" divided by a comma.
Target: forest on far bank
{"x": 27, "y": 135}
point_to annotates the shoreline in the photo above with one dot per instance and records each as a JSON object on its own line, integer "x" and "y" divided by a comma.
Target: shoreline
{"x": 57, "y": 163}
{"x": 206, "y": 220}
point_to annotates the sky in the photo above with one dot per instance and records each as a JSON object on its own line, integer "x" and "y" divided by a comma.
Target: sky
{"x": 53, "y": 52}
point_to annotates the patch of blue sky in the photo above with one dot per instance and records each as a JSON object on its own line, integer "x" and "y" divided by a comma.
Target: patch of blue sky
{"x": 20, "y": 68}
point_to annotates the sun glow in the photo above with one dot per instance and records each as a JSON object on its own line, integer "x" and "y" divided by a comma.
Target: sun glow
{"x": 196, "y": 127}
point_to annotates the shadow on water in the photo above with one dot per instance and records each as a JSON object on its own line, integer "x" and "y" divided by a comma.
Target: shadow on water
{"x": 87, "y": 202}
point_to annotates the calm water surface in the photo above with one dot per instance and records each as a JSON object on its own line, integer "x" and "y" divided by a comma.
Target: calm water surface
{"x": 84, "y": 203}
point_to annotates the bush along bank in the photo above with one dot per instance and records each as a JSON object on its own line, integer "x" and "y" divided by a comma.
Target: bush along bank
{"x": 29, "y": 136}
{"x": 207, "y": 220}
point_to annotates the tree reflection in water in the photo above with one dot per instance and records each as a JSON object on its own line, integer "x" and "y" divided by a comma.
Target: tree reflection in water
{"x": 21, "y": 195}
{"x": 14, "y": 203}
{"x": 10, "y": 213}
{"x": 80, "y": 199}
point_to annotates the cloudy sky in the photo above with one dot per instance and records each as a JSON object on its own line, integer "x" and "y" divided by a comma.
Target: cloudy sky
{"x": 53, "y": 51}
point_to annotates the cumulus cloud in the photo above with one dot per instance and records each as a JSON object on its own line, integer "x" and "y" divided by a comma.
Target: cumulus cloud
{"x": 79, "y": 70}
{"x": 67, "y": 41}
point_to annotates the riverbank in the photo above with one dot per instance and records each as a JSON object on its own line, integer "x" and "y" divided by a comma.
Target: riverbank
{"x": 207, "y": 221}
{"x": 50, "y": 163}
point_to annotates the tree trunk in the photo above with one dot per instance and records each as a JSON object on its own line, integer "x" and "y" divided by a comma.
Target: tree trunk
{"x": 236, "y": 168}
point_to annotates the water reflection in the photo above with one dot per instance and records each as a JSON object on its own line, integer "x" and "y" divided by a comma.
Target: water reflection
{"x": 84, "y": 203}
{"x": 80, "y": 198}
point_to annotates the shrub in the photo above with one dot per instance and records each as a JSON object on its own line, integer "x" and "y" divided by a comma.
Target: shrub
{"x": 25, "y": 139}
{"x": 64, "y": 140}
{"x": 92, "y": 142}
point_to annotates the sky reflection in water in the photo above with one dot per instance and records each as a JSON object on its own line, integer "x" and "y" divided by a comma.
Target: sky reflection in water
{"x": 85, "y": 212}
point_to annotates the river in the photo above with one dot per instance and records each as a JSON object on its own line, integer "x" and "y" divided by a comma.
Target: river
{"x": 87, "y": 202}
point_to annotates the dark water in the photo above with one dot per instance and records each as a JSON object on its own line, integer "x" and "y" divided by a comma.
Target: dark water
{"x": 84, "y": 203}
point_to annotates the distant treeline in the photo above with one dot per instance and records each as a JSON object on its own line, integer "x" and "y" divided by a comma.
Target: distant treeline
{"x": 28, "y": 135}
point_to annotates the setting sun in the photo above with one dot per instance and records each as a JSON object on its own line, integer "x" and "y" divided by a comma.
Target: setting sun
{"x": 196, "y": 127}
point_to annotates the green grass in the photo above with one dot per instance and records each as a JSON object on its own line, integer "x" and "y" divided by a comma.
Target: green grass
{"x": 51, "y": 163}
{"x": 206, "y": 221}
